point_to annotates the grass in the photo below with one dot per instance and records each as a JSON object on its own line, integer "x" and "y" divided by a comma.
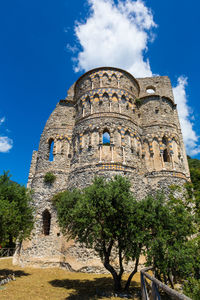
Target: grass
{"x": 54, "y": 283}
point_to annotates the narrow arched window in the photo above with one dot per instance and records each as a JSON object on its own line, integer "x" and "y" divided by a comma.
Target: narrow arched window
{"x": 46, "y": 218}
{"x": 106, "y": 137}
{"x": 88, "y": 101}
{"x": 166, "y": 155}
{"x": 123, "y": 98}
{"x": 51, "y": 146}
{"x": 105, "y": 97}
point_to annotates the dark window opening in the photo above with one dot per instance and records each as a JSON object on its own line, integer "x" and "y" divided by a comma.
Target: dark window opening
{"x": 106, "y": 137}
{"x": 123, "y": 99}
{"x": 166, "y": 156}
{"x": 164, "y": 141}
{"x": 46, "y": 217}
{"x": 51, "y": 146}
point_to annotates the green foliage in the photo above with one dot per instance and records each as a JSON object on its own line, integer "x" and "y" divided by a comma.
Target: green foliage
{"x": 194, "y": 187}
{"x": 191, "y": 288}
{"x": 138, "y": 102}
{"x": 169, "y": 225}
{"x": 16, "y": 214}
{"x": 174, "y": 187}
{"x": 104, "y": 216}
{"x": 49, "y": 177}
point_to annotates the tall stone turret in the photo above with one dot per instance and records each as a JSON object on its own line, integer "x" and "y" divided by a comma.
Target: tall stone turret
{"x": 110, "y": 123}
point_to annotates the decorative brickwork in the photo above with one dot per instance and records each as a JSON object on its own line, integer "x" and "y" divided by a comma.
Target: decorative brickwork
{"x": 145, "y": 144}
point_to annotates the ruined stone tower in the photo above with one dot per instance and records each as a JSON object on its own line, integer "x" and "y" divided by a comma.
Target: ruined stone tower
{"x": 109, "y": 123}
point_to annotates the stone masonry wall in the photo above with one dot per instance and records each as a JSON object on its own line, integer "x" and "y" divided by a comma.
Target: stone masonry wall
{"x": 110, "y": 123}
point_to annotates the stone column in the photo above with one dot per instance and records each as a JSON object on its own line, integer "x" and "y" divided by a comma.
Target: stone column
{"x": 100, "y": 153}
{"x": 112, "y": 149}
{"x": 152, "y": 160}
{"x": 162, "y": 161}
{"x": 123, "y": 154}
{"x": 110, "y": 104}
{"x": 172, "y": 159}
{"x": 119, "y": 108}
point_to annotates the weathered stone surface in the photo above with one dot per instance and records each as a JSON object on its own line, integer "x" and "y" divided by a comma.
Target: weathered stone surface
{"x": 146, "y": 145}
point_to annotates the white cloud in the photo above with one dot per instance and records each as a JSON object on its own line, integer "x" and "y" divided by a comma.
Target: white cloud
{"x": 189, "y": 135}
{"x": 2, "y": 120}
{"x": 5, "y": 144}
{"x": 115, "y": 35}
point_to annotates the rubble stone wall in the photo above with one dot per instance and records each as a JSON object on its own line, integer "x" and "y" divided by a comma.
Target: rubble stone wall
{"x": 144, "y": 143}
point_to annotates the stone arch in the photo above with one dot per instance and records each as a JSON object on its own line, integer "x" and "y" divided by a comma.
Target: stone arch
{"x": 115, "y": 98}
{"x": 123, "y": 99}
{"x": 105, "y": 97}
{"x": 114, "y": 81}
{"x": 87, "y": 100}
{"x": 105, "y": 80}
{"x": 96, "y": 81}
{"x": 121, "y": 81}
{"x": 127, "y": 138}
{"x": 95, "y": 136}
{"x": 46, "y": 220}
{"x": 88, "y": 105}
{"x": 88, "y": 83}
{"x": 147, "y": 154}
{"x": 66, "y": 146}
{"x": 96, "y": 98}
{"x": 86, "y": 138}
{"x": 157, "y": 155}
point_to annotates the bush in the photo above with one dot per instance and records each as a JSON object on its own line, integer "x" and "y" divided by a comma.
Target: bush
{"x": 49, "y": 177}
{"x": 191, "y": 288}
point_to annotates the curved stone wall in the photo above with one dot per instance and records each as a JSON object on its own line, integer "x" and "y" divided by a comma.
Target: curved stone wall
{"x": 110, "y": 123}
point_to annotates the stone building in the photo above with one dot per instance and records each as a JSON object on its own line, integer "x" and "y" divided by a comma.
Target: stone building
{"x": 109, "y": 123}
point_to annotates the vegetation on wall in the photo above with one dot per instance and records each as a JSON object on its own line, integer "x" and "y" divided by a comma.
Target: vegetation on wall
{"x": 49, "y": 177}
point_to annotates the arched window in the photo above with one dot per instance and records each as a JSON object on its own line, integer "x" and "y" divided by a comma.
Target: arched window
{"x": 51, "y": 146}
{"x": 166, "y": 156}
{"x": 96, "y": 98}
{"x": 105, "y": 97}
{"x": 123, "y": 99}
{"x": 105, "y": 79}
{"x": 88, "y": 100}
{"x": 46, "y": 218}
{"x": 96, "y": 82}
{"x": 114, "y": 98}
{"x": 106, "y": 137}
{"x": 114, "y": 81}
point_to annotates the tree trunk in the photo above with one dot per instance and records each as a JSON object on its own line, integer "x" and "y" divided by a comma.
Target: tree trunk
{"x": 131, "y": 275}
{"x": 107, "y": 265}
{"x": 116, "y": 278}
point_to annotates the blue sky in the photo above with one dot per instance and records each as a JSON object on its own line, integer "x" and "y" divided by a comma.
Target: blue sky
{"x": 46, "y": 45}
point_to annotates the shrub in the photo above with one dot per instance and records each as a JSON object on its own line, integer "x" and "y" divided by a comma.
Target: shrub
{"x": 191, "y": 288}
{"x": 49, "y": 177}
